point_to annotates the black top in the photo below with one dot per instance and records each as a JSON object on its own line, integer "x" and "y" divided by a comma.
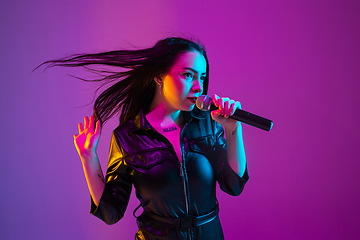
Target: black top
{"x": 142, "y": 157}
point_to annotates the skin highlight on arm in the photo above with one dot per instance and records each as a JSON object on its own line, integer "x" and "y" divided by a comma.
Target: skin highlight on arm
{"x": 86, "y": 143}
{"x": 233, "y": 130}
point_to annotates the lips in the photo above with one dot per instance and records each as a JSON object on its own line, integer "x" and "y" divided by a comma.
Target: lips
{"x": 192, "y": 99}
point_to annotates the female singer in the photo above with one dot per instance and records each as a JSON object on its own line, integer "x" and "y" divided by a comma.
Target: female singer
{"x": 170, "y": 151}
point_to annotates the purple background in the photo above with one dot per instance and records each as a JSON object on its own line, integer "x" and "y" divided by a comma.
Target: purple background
{"x": 295, "y": 62}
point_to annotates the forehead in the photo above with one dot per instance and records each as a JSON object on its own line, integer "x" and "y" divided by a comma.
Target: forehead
{"x": 193, "y": 60}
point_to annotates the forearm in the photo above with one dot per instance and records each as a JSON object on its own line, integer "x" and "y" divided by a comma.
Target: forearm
{"x": 94, "y": 176}
{"x": 235, "y": 149}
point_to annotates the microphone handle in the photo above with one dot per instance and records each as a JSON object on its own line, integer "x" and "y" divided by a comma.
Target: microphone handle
{"x": 249, "y": 118}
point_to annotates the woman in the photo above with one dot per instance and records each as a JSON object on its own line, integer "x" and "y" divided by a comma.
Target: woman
{"x": 169, "y": 150}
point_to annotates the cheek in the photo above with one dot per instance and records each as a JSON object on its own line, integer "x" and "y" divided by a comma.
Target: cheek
{"x": 177, "y": 88}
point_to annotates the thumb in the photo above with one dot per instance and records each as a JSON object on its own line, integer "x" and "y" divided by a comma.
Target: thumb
{"x": 215, "y": 114}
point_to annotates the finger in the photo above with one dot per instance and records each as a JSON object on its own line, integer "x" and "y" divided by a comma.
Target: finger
{"x": 215, "y": 113}
{"x": 80, "y": 126}
{"x": 232, "y": 109}
{"x": 86, "y": 122}
{"x": 75, "y": 136}
{"x": 91, "y": 124}
{"x": 215, "y": 99}
{"x": 97, "y": 127}
{"x": 221, "y": 105}
{"x": 227, "y": 106}
{"x": 75, "y": 141}
{"x": 238, "y": 106}
{"x": 222, "y": 102}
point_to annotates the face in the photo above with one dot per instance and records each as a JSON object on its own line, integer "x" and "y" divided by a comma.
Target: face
{"x": 183, "y": 83}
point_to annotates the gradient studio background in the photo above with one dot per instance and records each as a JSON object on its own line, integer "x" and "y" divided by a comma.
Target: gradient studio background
{"x": 295, "y": 62}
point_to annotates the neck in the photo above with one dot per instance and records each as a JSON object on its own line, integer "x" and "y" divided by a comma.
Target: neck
{"x": 163, "y": 115}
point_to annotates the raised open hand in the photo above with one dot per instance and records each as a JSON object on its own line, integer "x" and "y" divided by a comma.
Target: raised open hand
{"x": 88, "y": 138}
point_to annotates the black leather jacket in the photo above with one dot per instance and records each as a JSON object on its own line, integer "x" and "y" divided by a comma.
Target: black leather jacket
{"x": 142, "y": 157}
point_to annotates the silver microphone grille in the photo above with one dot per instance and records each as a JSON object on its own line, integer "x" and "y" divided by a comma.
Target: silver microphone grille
{"x": 203, "y": 102}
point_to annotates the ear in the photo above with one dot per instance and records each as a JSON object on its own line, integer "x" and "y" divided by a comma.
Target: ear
{"x": 158, "y": 80}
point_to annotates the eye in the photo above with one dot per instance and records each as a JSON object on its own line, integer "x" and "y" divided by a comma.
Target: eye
{"x": 202, "y": 78}
{"x": 188, "y": 75}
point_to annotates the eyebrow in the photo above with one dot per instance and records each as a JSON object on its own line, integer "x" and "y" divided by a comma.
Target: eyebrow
{"x": 187, "y": 68}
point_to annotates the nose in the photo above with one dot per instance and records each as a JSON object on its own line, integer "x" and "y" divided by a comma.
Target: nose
{"x": 197, "y": 86}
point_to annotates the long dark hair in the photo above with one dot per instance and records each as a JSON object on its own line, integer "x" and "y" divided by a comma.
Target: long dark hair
{"x": 134, "y": 87}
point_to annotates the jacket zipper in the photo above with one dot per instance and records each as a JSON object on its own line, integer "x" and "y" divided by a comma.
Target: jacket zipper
{"x": 182, "y": 174}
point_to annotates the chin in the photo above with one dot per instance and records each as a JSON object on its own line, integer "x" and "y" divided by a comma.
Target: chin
{"x": 189, "y": 108}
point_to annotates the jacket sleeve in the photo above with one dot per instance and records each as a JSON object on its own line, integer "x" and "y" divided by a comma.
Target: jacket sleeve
{"x": 229, "y": 181}
{"x": 115, "y": 197}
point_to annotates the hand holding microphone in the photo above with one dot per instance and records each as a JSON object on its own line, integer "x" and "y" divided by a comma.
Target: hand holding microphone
{"x": 205, "y": 103}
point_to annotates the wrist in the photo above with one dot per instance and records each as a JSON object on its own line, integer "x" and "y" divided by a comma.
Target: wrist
{"x": 88, "y": 157}
{"x": 232, "y": 130}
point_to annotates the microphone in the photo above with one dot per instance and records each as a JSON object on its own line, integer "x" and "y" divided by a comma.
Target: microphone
{"x": 205, "y": 103}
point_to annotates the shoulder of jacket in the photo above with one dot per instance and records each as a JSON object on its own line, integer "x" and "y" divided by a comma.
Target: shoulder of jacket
{"x": 123, "y": 127}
